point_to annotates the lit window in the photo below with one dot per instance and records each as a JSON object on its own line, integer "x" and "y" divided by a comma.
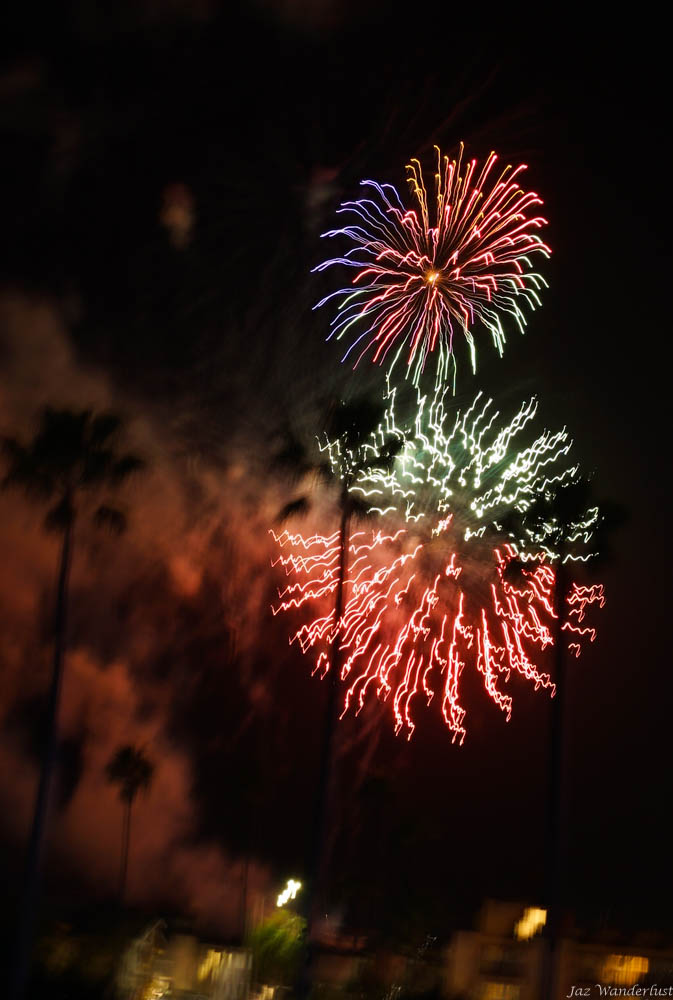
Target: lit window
{"x": 624, "y": 970}
{"x": 499, "y": 991}
{"x": 210, "y": 964}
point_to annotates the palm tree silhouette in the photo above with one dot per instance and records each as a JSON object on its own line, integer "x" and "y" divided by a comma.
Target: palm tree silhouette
{"x": 71, "y": 457}
{"x": 351, "y": 426}
{"x": 558, "y": 517}
{"x": 131, "y": 770}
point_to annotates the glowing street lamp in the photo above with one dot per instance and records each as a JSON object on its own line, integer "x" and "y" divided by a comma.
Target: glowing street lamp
{"x": 531, "y": 923}
{"x": 289, "y": 892}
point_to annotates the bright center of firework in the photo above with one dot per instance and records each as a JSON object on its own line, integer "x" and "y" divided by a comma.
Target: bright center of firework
{"x": 480, "y": 231}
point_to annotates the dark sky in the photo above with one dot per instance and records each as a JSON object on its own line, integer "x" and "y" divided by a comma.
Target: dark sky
{"x": 268, "y": 114}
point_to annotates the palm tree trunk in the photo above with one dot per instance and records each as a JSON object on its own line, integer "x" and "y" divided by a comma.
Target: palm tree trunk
{"x": 556, "y": 794}
{"x": 126, "y": 837}
{"x": 244, "y": 897}
{"x": 29, "y": 903}
{"x": 317, "y": 871}
{"x": 245, "y": 875}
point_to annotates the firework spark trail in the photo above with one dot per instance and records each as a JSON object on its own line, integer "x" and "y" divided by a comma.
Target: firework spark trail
{"x": 467, "y": 465}
{"x": 425, "y": 600}
{"x": 401, "y": 638}
{"x": 421, "y": 276}
{"x": 579, "y": 599}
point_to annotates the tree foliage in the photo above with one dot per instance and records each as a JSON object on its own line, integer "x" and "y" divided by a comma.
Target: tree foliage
{"x": 277, "y": 948}
{"x": 131, "y": 770}
{"x": 73, "y": 451}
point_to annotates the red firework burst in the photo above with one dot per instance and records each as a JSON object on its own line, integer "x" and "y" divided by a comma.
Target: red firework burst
{"x": 407, "y": 633}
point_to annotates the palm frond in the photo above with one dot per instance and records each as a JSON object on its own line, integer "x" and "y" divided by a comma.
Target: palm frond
{"x": 359, "y": 508}
{"x": 298, "y": 507}
{"x": 292, "y": 458}
{"x": 131, "y": 769}
{"x": 385, "y": 458}
{"x": 70, "y": 451}
{"x": 126, "y": 466}
{"x": 60, "y": 515}
{"x": 354, "y": 422}
{"x": 22, "y": 471}
{"x": 111, "y": 518}
{"x": 103, "y": 427}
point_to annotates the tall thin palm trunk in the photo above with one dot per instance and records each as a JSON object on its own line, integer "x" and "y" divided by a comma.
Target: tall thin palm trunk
{"x": 29, "y": 903}
{"x": 318, "y": 854}
{"x": 126, "y": 837}
{"x": 244, "y": 897}
{"x": 556, "y": 795}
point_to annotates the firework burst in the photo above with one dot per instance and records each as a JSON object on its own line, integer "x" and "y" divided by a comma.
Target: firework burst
{"x": 467, "y": 464}
{"x": 447, "y": 264}
{"x": 452, "y": 582}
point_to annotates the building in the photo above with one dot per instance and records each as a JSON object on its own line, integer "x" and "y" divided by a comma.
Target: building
{"x": 491, "y": 962}
{"x": 501, "y": 959}
{"x": 159, "y": 964}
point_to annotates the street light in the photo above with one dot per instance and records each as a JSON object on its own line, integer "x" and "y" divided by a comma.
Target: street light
{"x": 289, "y": 892}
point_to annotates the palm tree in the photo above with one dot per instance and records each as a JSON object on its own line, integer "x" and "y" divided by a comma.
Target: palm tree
{"x": 350, "y": 428}
{"x": 561, "y": 518}
{"x": 71, "y": 458}
{"x": 131, "y": 770}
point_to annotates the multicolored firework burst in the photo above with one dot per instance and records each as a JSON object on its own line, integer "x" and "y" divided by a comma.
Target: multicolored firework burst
{"x": 461, "y": 579}
{"x": 424, "y": 272}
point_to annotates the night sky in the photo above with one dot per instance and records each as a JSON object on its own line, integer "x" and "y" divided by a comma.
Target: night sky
{"x": 256, "y": 121}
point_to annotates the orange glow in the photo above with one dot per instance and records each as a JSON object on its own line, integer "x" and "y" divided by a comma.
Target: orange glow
{"x": 624, "y": 970}
{"x": 531, "y": 923}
